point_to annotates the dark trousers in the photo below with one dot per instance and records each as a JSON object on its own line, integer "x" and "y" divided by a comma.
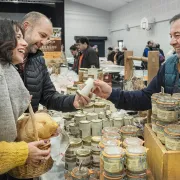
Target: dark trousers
{"x": 7, "y": 177}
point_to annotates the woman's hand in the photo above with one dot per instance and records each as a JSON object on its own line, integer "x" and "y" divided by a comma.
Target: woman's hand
{"x": 36, "y": 155}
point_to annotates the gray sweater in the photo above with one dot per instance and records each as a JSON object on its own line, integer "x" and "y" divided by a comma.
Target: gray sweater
{"x": 14, "y": 100}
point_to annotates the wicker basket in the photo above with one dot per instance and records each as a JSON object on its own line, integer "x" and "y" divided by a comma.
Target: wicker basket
{"x": 29, "y": 170}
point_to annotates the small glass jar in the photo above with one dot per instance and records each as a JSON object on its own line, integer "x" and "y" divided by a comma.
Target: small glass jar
{"x": 113, "y": 161}
{"x": 132, "y": 141}
{"x": 73, "y": 129}
{"x": 153, "y": 122}
{"x": 99, "y": 107}
{"x": 79, "y": 117}
{"x": 87, "y": 142}
{"x": 85, "y": 128}
{"x": 84, "y": 156}
{"x": 160, "y": 125}
{"x": 177, "y": 97}
{"x": 136, "y": 160}
{"x": 85, "y": 75}
{"x": 118, "y": 122}
{"x": 70, "y": 163}
{"x": 172, "y": 137}
{"x": 81, "y": 74}
{"x": 96, "y": 157}
{"x": 167, "y": 109}
{"x": 106, "y": 122}
{"x": 89, "y": 107}
{"x": 128, "y": 120}
{"x": 109, "y": 142}
{"x": 69, "y": 89}
{"x": 101, "y": 115}
{"x": 129, "y": 131}
{"x": 90, "y": 116}
{"x": 74, "y": 145}
{"x": 95, "y": 140}
{"x": 131, "y": 176}
{"x": 73, "y": 90}
{"x": 96, "y": 126}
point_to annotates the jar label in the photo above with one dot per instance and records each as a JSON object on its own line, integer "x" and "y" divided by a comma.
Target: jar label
{"x": 136, "y": 163}
{"x": 172, "y": 144}
{"x": 113, "y": 167}
{"x": 167, "y": 115}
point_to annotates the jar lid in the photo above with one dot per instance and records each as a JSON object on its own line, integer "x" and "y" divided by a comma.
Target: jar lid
{"x": 114, "y": 151}
{"x": 87, "y": 139}
{"x": 136, "y": 149}
{"x": 84, "y": 122}
{"x": 96, "y": 139}
{"x": 173, "y": 130}
{"x": 74, "y": 142}
{"x": 110, "y": 129}
{"x": 92, "y": 114}
{"x": 74, "y": 88}
{"x": 133, "y": 141}
{"x": 99, "y": 104}
{"x": 80, "y": 114}
{"x": 118, "y": 119}
{"x": 72, "y": 124}
{"x": 112, "y": 135}
{"x": 89, "y": 105}
{"x": 83, "y": 152}
{"x": 128, "y": 117}
{"x": 169, "y": 101}
{"x": 109, "y": 142}
{"x": 129, "y": 129}
{"x": 96, "y": 120}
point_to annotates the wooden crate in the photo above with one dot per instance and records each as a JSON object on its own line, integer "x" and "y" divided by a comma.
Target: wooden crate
{"x": 164, "y": 165}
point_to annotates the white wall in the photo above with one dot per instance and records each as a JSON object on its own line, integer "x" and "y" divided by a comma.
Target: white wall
{"x": 136, "y": 39}
{"x": 82, "y": 20}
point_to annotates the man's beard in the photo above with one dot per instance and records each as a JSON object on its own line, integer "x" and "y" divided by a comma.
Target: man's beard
{"x": 32, "y": 49}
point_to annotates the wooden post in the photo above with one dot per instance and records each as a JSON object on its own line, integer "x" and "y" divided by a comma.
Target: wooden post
{"x": 128, "y": 71}
{"x": 153, "y": 64}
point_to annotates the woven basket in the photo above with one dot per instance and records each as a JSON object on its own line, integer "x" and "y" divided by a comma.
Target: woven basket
{"x": 29, "y": 170}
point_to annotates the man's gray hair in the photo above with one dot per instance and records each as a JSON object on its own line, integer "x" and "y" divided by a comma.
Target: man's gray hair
{"x": 34, "y": 17}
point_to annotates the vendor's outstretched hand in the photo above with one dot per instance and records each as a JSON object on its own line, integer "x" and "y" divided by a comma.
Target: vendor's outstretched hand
{"x": 102, "y": 89}
{"x": 81, "y": 101}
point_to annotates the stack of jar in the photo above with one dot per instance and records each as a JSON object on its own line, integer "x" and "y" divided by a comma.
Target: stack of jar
{"x": 167, "y": 109}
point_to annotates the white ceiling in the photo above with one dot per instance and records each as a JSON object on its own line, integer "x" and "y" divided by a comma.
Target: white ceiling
{"x": 108, "y": 5}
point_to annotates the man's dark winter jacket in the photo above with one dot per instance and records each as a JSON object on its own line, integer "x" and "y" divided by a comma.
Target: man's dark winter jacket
{"x": 141, "y": 100}
{"x": 90, "y": 58}
{"x": 37, "y": 80}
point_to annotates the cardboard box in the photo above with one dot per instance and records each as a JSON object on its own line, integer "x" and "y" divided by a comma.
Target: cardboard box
{"x": 164, "y": 165}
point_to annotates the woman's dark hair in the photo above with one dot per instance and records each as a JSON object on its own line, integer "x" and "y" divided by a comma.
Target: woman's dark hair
{"x": 83, "y": 40}
{"x": 73, "y": 48}
{"x": 8, "y": 41}
{"x": 110, "y": 48}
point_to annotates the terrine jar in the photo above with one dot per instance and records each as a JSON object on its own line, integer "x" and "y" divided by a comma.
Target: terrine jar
{"x": 136, "y": 161}
{"x": 79, "y": 117}
{"x": 83, "y": 156}
{"x": 95, "y": 140}
{"x": 74, "y": 145}
{"x": 96, "y": 126}
{"x": 113, "y": 161}
{"x": 87, "y": 142}
{"x": 99, "y": 107}
{"x": 129, "y": 131}
{"x": 135, "y": 141}
{"x": 172, "y": 137}
{"x": 167, "y": 109}
{"x": 85, "y": 128}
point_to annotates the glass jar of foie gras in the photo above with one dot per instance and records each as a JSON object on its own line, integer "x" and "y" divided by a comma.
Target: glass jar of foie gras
{"x": 136, "y": 161}
{"x": 172, "y": 137}
{"x": 99, "y": 107}
{"x": 177, "y": 97}
{"x": 82, "y": 173}
{"x": 167, "y": 109}
{"x": 129, "y": 131}
{"x": 73, "y": 129}
{"x": 95, "y": 140}
{"x": 83, "y": 156}
{"x": 128, "y": 120}
{"x": 87, "y": 142}
{"x": 135, "y": 141}
{"x": 113, "y": 158}
{"x": 96, "y": 125}
{"x": 89, "y": 107}
{"x": 160, "y": 130}
{"x": 79, "y": 117}
{"x": 85, "y": 128}
{"x": 131, "y": 176}
{"x": 74, "y": 145}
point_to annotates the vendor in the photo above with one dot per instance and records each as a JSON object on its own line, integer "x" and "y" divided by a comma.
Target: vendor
{"x": 167, "y": 77}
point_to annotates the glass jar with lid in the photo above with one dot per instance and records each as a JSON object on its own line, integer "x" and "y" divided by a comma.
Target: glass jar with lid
{"x": 81, "y": 74}
{"x": 83, "y": 156}
{"x": 177, "y": 97}
{"x": 91, "y": 115}
{"x": 102, "y": 115}
{"x": 118, "y": 122}
{"x": 68, "y": 89}
{"x": 172, "y": 137}
{"x": 85, "y": 75}
{"x": 99, "y": 107}
{"x": 128, "y": 120}
{"x": 167, "y": 109}
{"x": 96, "y": 157}
{"x": 135, "y": 141}
{"x": 89, "y": 107}
{"x": 136, "y": 160}
{"x": 79, "y": 117}
{"x": 74, "y": 145}
{"x": 87, "y": 142}
{"x": 113, "y": 161}
{"x": 109, "y": 142}
{"x": 73, "y": 90}
{"x": 100, "y": 74}
{"x": 96, "y": 125}
{"x": 95, "y": 140}
{"x": 70, "y": 163}
{"x": 129, "y": 131}
{"x": 160, "y": 125}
